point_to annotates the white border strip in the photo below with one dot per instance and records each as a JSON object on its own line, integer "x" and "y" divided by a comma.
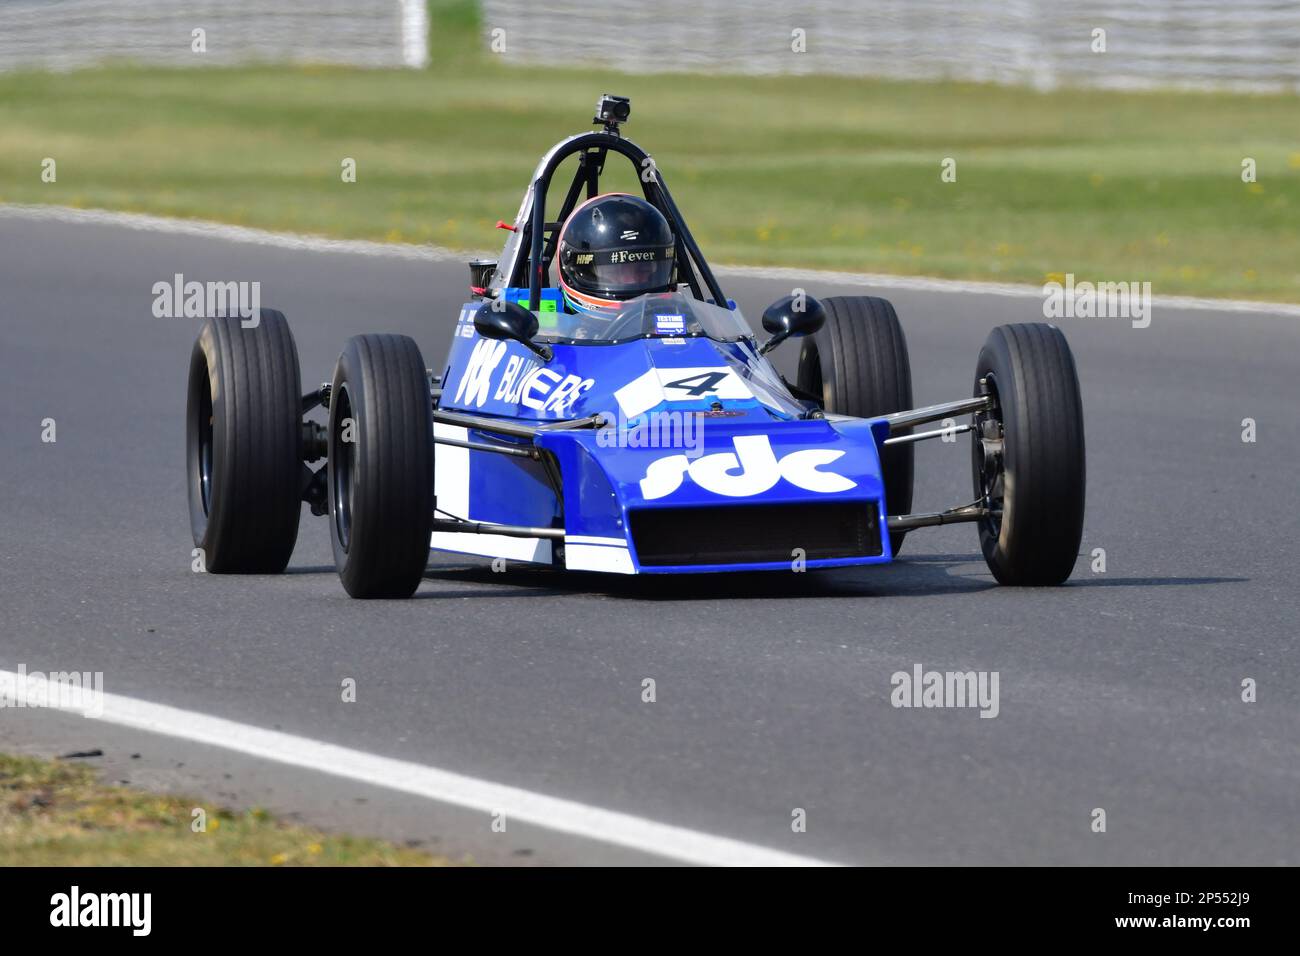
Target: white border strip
{"x": 551, "y": 813}
{"x": 970, "y": 287}
{"x": 393, "y": 250}
{"x": 203, "y": 229}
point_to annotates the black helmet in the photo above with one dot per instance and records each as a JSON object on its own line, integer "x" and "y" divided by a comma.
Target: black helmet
{"x": 613, "y": 248}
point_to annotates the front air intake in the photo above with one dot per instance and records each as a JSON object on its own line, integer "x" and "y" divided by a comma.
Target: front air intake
{"x": 755, "y": 534}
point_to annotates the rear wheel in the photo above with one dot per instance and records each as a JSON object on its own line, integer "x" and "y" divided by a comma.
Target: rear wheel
{"x": 380, "y": 466}
{"x": 244, "y": 444}
{"x": 858, "y": 365}
{"x": 1028, "y": 455}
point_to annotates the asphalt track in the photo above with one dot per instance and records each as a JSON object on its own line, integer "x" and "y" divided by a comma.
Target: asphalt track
{"x": 1121, "y": 690}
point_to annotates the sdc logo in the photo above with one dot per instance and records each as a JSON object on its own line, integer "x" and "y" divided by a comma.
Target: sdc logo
{"x": 751, "y": 470}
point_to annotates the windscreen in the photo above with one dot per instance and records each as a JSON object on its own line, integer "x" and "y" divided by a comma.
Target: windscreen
{"x": 660, "y": 314}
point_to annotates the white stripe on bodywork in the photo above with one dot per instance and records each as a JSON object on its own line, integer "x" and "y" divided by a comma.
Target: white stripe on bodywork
{"x": 641, "y": 394}
{"x": 593, "y": 557}
{"x": 451, "y": 472}
{"x": 451, "y": 486}
{"x": 536, "y": 550}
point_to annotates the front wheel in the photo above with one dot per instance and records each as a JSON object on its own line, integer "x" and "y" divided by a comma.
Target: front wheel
{"x": 380, "y": 466}
{"x": 858, "y": 365}
{"x": 244, "y": 444}
{"x": 1028, "y": 455}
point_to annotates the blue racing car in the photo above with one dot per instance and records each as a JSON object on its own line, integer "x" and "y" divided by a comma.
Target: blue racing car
{"x": 605, "y": 407}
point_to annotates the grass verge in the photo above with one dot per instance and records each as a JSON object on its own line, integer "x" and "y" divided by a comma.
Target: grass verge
{"x": 59, "y": 814}
{"x": 816, "y": 171}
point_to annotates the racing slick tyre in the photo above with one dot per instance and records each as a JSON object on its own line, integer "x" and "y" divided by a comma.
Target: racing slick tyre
{"x": 857, "y": 364}
{"x": 1028, "y": 455}
{"x": 380, "y": 466}
{"x": 244, "y": 444}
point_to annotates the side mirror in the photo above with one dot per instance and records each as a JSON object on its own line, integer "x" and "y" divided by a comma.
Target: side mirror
{"x": 790, "y": 317}
{"x": 499, "y": 319}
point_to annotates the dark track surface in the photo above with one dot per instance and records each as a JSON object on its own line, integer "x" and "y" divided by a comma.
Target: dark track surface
{"x": 1120, "y": 690}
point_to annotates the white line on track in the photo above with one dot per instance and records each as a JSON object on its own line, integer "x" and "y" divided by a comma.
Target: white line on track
{"x": 443, "y": 786}
{"x": 392, "y": 250}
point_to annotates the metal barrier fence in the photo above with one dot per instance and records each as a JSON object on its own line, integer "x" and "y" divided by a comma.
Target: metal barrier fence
{"x": 1250, "y": 44}
{"x": 64, "y": 34}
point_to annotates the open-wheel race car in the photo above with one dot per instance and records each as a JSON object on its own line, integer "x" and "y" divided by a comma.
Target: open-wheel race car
{"x": 605, "y": 407}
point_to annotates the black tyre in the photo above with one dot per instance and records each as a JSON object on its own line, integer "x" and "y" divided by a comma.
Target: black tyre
{"x": 857, "y": 364}
{"x": 381, "y": 480}
{"x": 1028, "y": 455}
{"x": 244, "y": 444}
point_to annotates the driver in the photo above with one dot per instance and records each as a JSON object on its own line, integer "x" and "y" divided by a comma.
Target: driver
{"x": 614, "y": 247}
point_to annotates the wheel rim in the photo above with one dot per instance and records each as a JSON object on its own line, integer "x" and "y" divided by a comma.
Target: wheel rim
{"x": 205, "y": 431}
{"x": 990, "y": 461}
{"x": 342, "y": 462}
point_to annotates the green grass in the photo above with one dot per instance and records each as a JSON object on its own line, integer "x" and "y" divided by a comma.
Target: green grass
{"x": 823, "y": 172}
{"x": 58, "y": 814}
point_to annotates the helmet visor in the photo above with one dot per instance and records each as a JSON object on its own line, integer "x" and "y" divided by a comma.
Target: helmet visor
{"x": 627, "y": 269}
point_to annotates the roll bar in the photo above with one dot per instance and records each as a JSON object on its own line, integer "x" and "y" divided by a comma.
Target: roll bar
{"x": 531, "y": 225}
